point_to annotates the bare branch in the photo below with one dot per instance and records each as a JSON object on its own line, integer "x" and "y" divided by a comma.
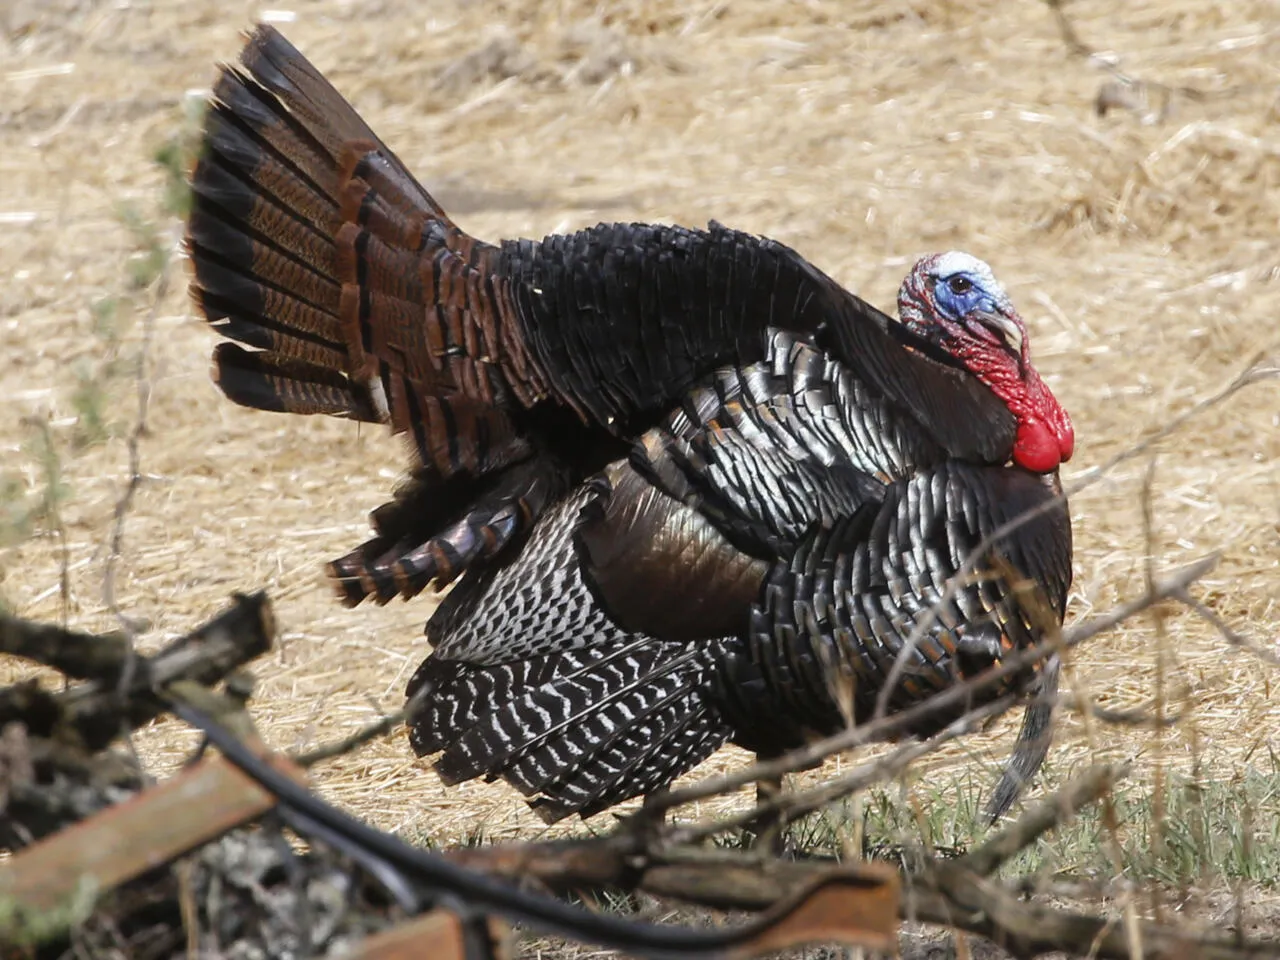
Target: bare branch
{"x": 1232, "y": 636}
{"x": 80, "y": 656}
{"x": 795, "y": 805}
{"x": 1141, "y": 717}
{"x": 966, "y": 901}
{"x": 133, "y": 444}
{"x": 956, "y": 894}
{"x": 125, "y": 502}
{"x": 93, "y": 713}
{"x": 337, "y": 748}
{"x": 879, "y": 729}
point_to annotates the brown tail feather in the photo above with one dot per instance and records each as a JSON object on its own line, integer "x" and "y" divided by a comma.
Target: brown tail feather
{"x": 311, "y": 240}
{"x": 313, "y": 245}
{"x": 272, "y": 381}
{"x": 327, "y": 117}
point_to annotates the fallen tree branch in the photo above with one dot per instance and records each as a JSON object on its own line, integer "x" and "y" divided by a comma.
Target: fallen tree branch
{"x": 956, "y": 894}
{"x": 94, "y": 856}
{"x": 443, "y": 933}
{"x": 964, "y": 900}
{"x": 64, "y": 733}
{"x": 949, "y": 896}
{"x": 845, "y": 905}
{"x": 80, "y": 656}
{"x": 90, "y": 714}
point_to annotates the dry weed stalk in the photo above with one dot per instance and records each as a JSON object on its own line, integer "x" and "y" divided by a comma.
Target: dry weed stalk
{"x": 1259, "y": 369}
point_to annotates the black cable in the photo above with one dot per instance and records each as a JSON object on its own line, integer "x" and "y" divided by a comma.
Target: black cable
{"x": 392, "y": 880}
{"x": 452, "y": 881}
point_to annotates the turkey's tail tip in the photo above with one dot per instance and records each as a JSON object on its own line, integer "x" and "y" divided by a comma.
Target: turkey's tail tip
{"x": 289, "y": 189}
{"x": 270, "y": 381}
{"x": 264, "y": 47}
{"x": 355, "y": 579}
{"x": 1031, "y": 747}
{"x": 352, "y": 583}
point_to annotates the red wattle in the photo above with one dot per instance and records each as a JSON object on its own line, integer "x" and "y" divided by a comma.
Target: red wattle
{"x": 1039, "y": 449}
{"x": 1066, "y": 438}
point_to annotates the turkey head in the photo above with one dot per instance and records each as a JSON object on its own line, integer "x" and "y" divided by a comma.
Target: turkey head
{"x": 953, "y": 302}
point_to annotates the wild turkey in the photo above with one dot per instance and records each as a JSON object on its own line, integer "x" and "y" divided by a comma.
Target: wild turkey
{"x": 626, "y": 413}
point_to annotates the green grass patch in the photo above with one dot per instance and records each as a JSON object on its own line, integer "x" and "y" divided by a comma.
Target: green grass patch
{"x": 1212, "y": 830}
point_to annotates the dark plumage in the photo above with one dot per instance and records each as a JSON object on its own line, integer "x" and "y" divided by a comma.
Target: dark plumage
{"x": 692, "y": 487}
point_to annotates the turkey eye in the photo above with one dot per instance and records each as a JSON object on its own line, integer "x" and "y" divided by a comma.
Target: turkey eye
{"x": 960, "y": 285}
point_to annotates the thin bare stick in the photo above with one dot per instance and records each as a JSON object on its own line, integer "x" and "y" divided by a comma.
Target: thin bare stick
{"x": 797, "y": 804}
{"x": 337, "y": 748}
{"x": 1259, "y": 368}
{"x": 1068, "y": 31}
{"x": 133, "y": 446}
{"x": 1232, "y": 636}
{"x": 1074, "y": 795}
{"x": 1140, "y": 717}
{"x": 814, "y": 753}
{"x": 1157, "y": 614}
{"x": 125, "y": 503}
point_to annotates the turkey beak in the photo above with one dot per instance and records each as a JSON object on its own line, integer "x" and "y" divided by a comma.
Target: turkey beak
{"x": 1006, "y": 327}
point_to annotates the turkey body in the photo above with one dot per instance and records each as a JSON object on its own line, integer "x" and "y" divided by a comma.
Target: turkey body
{"x": 750, "y": 574}
{"x": 693, "y": 489}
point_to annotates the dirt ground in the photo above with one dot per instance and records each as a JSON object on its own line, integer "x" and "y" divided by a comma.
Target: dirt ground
{"x": 1141, "y": 247}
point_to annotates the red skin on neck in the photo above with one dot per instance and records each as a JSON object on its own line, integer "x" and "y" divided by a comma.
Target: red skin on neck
{"x": 1045, "y": 438}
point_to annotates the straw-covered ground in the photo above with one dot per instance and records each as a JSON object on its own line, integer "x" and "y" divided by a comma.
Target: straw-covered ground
{"x": 1141, "y": 247}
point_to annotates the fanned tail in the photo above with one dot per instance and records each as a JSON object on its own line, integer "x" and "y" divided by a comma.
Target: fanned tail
{"x": 358, "y": 297}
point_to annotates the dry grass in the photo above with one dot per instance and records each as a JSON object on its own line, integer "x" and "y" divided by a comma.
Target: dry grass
{"x": 1143, "y": 256}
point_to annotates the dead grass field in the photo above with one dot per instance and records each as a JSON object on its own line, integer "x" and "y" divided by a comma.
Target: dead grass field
{"x": 1143, "y": 251}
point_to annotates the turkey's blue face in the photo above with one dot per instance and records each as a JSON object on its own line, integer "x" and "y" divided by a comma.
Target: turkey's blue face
{"x": 963, "y": 299}
{"x": 968, "y": 300}
{"x": 954, "y": 302}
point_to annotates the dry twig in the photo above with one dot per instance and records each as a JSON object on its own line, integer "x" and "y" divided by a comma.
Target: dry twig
{"x": 880, "y": 729}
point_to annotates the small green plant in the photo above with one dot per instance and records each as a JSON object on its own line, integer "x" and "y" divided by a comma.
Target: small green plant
{"x": 151, "y": 253}
{"x": 23, "y": 510}
{"x": 29, "y": 503}
{"x": 96, "y": 380}
{"x": 90, "y": 398}
{"x": 15, "y": 510}
{"x": 177, "y": 154}
{"x": 52, "y": 491}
